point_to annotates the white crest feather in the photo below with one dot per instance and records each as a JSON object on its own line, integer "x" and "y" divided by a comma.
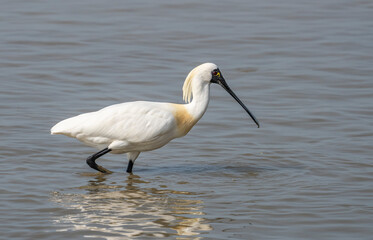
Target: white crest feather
{"x": 187, "y": 87}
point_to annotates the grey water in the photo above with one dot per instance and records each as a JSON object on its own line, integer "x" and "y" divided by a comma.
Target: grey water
{"x": 304, "y": 68}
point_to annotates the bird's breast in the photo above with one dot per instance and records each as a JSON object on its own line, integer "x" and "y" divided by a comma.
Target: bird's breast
{"x": 184, "y": 120}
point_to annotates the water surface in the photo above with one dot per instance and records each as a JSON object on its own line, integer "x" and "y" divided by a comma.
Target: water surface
{"x": 303, "y": 67}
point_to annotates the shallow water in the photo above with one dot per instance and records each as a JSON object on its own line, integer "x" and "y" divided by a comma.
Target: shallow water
{"x": 303, "y": 67}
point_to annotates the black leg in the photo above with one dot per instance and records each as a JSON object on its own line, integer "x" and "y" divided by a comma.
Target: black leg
{"x": 91, "y": 161}
{"x": 129, "y": 167}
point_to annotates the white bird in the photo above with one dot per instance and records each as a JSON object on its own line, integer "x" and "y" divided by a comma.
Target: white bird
{"x": 135, "y": 127}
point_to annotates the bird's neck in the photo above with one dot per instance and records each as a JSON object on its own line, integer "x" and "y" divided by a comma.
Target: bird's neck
{"x": 200, "y": 101}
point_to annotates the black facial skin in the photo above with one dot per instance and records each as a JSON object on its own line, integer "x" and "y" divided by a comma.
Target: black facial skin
{"x": 217, "y": 78}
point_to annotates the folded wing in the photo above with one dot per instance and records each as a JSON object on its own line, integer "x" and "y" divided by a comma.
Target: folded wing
{"x": 133, "y": 122}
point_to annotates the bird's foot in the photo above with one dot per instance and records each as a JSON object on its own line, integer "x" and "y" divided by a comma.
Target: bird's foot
{"x": 91, "y": 162}
{"x": 103, "y": 170}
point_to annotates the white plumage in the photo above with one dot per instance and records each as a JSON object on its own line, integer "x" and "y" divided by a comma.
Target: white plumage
{"x": 134, "y": 127}
{"x": 122, "y": 127}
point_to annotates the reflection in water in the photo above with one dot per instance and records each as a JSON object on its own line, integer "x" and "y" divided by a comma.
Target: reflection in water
{"x": 113, "y": 211}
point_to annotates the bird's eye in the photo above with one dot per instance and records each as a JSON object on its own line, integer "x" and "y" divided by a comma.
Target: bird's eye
{"x": 215, "y": 72}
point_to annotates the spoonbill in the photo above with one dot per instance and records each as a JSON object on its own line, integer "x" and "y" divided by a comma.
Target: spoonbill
{"x": 135, "y": 127}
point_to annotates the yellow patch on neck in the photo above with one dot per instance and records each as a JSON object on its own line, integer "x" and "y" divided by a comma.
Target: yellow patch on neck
{"x": 184, "y": 120}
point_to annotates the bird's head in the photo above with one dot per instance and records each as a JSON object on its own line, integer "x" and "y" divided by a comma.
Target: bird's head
{"x": 210, "y": 73}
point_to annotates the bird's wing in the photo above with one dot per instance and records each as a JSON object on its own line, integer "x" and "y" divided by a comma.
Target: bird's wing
{"x": 132, "y": 122}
